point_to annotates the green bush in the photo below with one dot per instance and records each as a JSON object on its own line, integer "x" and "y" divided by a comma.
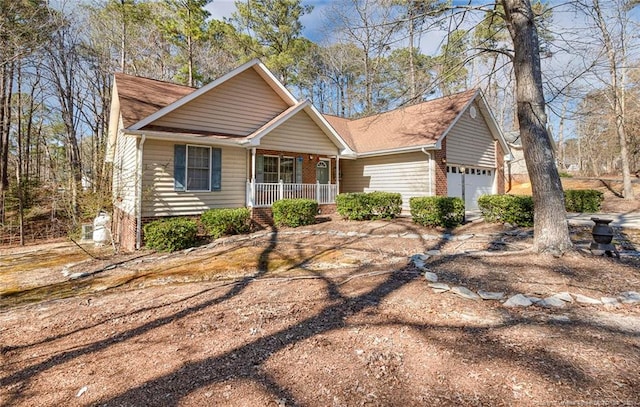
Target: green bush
{"x": 514, "y": 209}
{"x": 583, "y": 200}
{"x": 294, "y": 212}
{"x": 384, "y": 205}
{"x": 171, "y": 234}
{"x": 353, "y": 206}
{"x": 228, "y": 221}
{"x": 369, "y": 205}
{"x": 437, "y": 211}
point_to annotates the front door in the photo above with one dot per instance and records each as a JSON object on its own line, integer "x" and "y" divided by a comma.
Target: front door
{"x": 322, "y": 172}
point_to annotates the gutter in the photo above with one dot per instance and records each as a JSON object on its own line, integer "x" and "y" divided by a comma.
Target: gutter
{"x": 398, "y": 150}
{"x": 139, "y": 193}
{"x": 183, "y": 137}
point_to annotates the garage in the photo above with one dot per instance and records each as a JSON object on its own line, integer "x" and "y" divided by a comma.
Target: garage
{"x": 477, "y": 181}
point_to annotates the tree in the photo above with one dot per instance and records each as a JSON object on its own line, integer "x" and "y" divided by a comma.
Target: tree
{"x": 451, "y": 70}
{"x": 551, "y": 231}
{"x": 371, "y": 25}
{"x": 25, "y": 26}
{"x": 271, "y": 29}
{"x": 613, "y": 38}
{"x": 185, "y": 30}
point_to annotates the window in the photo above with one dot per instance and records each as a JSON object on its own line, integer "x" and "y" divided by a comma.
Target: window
{"x": 272, "y": 169}
{"x": 197, "y": 168}
{"x": 286, "y": 170}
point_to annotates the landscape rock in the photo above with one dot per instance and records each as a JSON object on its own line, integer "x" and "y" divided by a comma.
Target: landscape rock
{"x": 553, "y": 302}
{"x": 489, "y": 295}
{"x": 465, "y": 293}
{"x": 629, "y": 297}
{"x": 434, "y": 252}
{"x": 518, "y": 300}
{"x": 462, "y": 237}
{"x": 534, "y": 300}
{"x": 610, "y": 301}
{"x": 564, "y": 296}
{"x": 410, "y": 236}
{"x": 439, "y": 287}
{"x": 431, "y": 277}
{"x": 583, "y": 299}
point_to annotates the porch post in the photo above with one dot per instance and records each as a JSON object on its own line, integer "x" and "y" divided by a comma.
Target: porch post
{"x": 318, "y": 191}
{"x": 280, "y": 189}
{"x": 337, "y": 174}
{"x": 252, "y": 190}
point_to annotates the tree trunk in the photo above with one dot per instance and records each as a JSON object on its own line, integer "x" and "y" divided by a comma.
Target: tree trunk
{"x": 551, "y": 231}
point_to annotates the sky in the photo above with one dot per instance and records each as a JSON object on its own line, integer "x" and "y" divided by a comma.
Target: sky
{"x": 564, "y": 21}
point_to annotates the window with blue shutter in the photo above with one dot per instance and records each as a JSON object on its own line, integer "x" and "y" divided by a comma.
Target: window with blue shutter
{"x": 179, "y": 167}
{"x": 197, "y": 168}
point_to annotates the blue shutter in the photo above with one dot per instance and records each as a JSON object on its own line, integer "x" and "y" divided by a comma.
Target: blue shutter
{"x": 259, "y": 168}
{"x": 299, "y": 170}
{"x": 216, "y": 169}
{"x": 179, "y": 166}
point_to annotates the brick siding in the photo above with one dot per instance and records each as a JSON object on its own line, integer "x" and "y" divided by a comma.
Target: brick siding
{"x": 441, "y": 169}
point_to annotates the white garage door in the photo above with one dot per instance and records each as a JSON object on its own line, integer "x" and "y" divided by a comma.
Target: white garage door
{"x": 477, "y": 181}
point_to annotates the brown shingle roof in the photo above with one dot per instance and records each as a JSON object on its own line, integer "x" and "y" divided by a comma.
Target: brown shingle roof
{"x": 141, "y": 97}
{"x": 411, "y": 126}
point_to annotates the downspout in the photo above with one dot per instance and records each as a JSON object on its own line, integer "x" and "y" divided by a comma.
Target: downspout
{"x": 430, "y": 171}
{"x": 139, "y": 198}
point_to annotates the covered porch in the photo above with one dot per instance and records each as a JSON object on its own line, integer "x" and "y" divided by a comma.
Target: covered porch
{"x": 275, "y": 175}
{"x": 263, "y": 195}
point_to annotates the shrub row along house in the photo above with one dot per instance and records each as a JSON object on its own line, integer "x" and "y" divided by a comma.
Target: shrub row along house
{"x": 245, "y": 140}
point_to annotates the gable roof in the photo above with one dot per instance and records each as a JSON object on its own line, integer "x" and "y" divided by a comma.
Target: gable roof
{"x": 141, "y": 97}
{"x": 253, "y": 64}
{"x": 416, "y": 126}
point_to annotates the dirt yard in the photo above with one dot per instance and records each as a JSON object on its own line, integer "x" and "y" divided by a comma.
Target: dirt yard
{"x": 333, "y": 314}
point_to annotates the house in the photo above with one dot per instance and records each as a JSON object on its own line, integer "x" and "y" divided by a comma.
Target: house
{"x": 449, "y": 146}
{"x": 244, "y": 140}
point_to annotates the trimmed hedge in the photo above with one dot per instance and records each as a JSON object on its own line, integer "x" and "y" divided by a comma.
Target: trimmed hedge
{"x": 369, "y": 205}
{"x": 583, "y": 200}
{"x": 514, "y": 209}
{"x": 294, "y": 212}
{"x": 227, "y": 221}
{"x": 170, "y": 235}
{"x": 437, "y": 211}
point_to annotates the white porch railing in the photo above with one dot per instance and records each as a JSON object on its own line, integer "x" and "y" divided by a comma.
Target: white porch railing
{"x": 260, "y": 195}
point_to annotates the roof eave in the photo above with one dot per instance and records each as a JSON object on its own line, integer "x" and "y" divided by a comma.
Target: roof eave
{"x": 181, "y": 137}
{"x": 433, "y": 146}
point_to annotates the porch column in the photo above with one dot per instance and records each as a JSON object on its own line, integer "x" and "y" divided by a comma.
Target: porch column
{"x": 337, "y": 174}
{"x": 252, "y": 189}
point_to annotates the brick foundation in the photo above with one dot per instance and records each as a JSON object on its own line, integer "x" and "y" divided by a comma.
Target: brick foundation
{"x": 123, "y": 229}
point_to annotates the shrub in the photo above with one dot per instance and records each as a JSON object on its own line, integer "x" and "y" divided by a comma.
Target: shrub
{"x": 171, "y": 234}
{"x": 369, "y": 205}
{"x": 294, "y": 212}
{"x": 437, "y": 211}
{"x": 384, "y": 205}
{"x": 228, "y": 221}
{"x": 583, "y": 200}
{"x": 515, "y": 209}
{"x": 352, "y": 206}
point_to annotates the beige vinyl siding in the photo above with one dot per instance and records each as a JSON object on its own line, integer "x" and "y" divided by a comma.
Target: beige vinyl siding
{"x": 406, "y": 173}
{"x": 470, "y": 142}
{"x": 125, "y": 173}
{"x": 159, "y": 197}
{"x": 299, "y": 134}
{"x": 237, "y": 107}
